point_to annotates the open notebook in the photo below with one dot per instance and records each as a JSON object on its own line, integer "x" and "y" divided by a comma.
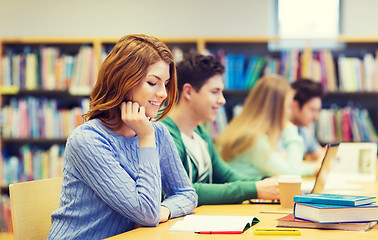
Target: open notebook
{"x": 209, "y": 223}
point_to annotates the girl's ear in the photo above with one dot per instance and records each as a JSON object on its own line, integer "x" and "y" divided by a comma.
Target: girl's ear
{"x": 187, "y": 91}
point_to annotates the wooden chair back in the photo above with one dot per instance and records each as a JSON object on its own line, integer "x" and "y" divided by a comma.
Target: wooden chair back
{"x": 31, "y": 206}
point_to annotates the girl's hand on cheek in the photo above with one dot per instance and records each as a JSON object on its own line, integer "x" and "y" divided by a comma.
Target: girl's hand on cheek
{"x": 134, "y": 117}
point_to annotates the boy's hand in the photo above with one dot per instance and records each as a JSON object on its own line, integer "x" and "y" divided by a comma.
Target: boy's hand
{"x": 268, "y": 189}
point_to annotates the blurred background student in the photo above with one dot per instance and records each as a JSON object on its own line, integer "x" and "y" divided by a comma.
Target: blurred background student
{"x": 305, "y": 109}
{"x": 306, "y": 106}
{"x": 249, "y": 142}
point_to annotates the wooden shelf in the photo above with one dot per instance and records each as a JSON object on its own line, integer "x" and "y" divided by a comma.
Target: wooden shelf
{"x": 6, "y": 236}
{"x": 333, "y": 95}
{"x": 38, "y": 141}
{"x": 359, "y": 95}
{"x": 358, "y": 39}
{"x": 257, "y": 39}
{"x": 9, "y": 90}
{"x": 181, "y": 39}
{"x": 43, "y": 92}
{"x": 47, "y": 40}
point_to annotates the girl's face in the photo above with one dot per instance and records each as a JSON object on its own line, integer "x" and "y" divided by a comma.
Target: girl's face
{"x": 151, "y": 91}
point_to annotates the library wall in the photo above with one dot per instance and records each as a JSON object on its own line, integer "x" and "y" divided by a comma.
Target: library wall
{"x": 161, "y": 18}
{"x": 359, "y": 18}
{"x": 119, "y": 17}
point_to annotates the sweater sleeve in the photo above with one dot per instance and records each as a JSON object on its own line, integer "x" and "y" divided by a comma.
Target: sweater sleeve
{"x": 135, "y": 197}
{"x": 311, "y": 145}
{"x": 181, "y": 198}
{"x": 271, "y": 162}
{"x": 295, "y": 151}
{"x": 225, "y": 193}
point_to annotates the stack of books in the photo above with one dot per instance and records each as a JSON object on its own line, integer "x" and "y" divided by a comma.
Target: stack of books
{"x": 332, "y": 211}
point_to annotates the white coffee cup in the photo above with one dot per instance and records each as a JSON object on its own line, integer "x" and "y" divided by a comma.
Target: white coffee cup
{"x": 289, "y": 186}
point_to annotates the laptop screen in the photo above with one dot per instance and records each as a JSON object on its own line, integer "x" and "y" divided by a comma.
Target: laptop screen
{"x": 323, "y": 173}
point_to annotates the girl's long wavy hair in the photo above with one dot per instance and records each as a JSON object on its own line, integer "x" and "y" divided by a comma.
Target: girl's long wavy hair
{"x": 125, "y": 67}
{"x": 263, "y": 113}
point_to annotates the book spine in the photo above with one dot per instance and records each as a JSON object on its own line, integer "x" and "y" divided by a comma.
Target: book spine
{"x": 325, "y": 201}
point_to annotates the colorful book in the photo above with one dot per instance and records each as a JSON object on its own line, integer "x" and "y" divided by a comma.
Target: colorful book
{"x": 254, "y": 72}
{"x": 290, "y": 221}
{"x": 334, "y": 199}
{"x": 239, "y": 82}
{"x": 249, "y": 71}
{"x": 325, "y": 213}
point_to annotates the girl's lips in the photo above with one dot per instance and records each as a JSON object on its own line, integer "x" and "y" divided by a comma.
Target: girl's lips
{"x": 155, "y": 104}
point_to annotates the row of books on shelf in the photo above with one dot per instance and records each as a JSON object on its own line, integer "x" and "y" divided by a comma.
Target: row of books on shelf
{"x": 358, "y": 75}
{"x": 354, "y": 74}
{"x": 32, "y": 163}
{"x": 349, "y": 124}
{"x": 49, "y": 69}
{"x": 345, "y": 125}
{"x": 332, "y": 211}
{"x": 32, "y": 117}
{"x": 5, "y": 214}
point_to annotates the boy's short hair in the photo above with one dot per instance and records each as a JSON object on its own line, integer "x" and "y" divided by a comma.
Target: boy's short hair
{"x": 196, "y": 69}
{"x": 305, "y": 90}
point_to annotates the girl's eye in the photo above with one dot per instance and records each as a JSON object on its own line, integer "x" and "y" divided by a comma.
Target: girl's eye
{"x": 151, "y": 83}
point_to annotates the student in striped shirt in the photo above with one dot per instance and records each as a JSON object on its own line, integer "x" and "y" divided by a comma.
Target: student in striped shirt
{"x": 118, "y": 163}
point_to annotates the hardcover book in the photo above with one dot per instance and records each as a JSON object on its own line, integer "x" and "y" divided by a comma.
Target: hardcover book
{"x": 334, "y": 199}
{"x": 290, "y": 221}
{"x": 323, "y": 213}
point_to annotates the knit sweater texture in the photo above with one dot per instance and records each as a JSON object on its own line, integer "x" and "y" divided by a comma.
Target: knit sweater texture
{"x": 110, "y": 184}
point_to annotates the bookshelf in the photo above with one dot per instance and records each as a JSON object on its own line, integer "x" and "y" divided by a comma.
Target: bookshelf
{"x": 355, "y": 46}
{"x": 69, "y": 93}
{"x": 53, "y": 77}
{"x": 360, "y": 95}
{"x": 41, "y": 85}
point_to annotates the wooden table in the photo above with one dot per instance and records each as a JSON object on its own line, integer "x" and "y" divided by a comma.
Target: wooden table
{"x": 267, "y": 220}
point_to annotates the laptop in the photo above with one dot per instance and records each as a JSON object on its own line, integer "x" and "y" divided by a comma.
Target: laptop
{"x": 356, "y": 162}
{"x": 321, "y": 177}
{"x": 311, "y": 186}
